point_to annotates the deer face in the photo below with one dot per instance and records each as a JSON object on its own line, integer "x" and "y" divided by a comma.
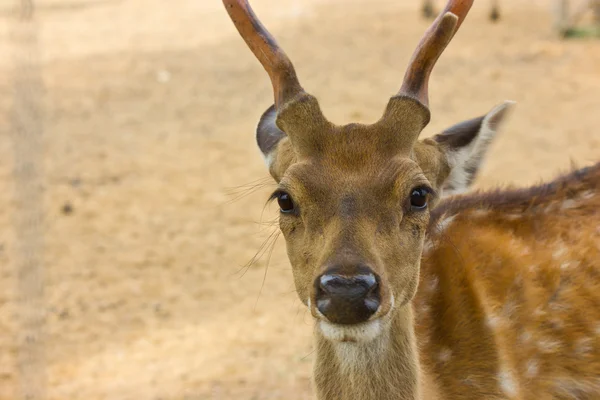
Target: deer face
{"x": 354, "y": 225}
{"x": 354, "y": 207}
{"x": 355, "y": 199}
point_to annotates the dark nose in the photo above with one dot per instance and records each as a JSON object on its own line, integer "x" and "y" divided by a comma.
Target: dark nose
{"x": 347, "y": 299}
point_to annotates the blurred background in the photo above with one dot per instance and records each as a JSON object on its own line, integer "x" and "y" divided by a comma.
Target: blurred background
{"x": 132, "y": 195}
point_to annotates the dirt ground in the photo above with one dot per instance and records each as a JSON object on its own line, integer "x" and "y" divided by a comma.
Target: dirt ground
{"x": 154, "y": 189}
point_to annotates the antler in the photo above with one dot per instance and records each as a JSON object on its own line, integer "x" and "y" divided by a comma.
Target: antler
{"x": 431, "y": 47}
{"x": 265, "y": 48}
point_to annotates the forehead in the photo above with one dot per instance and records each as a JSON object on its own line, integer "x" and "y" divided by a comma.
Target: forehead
{"x": 354, "y": 145}
{"x": 367, "y": 173}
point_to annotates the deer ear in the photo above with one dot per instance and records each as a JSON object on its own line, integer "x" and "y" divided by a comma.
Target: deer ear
{"x": 268, "y": 134}
{"x": 465, "y": 146}
{"x": 273, "y": 144}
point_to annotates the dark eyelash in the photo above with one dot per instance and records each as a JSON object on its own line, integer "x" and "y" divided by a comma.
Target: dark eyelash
{"x": 274, "y": 195}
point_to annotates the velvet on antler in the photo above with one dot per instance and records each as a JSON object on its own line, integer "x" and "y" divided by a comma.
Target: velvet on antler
{"x": 274, "y": 60}
{"x": 408, "y": 112}
{"x": 431, "y": 47}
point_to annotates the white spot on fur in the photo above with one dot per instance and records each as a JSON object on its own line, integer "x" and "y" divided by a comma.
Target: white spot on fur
{"x": 433, "y": 284}
{"x": 445, "y": 223}
{"x": 560, "y": 251}
{"x": 539, "y": 312}
{"x": 588, "y": 194}
{"x": 569, "y": 264}
{"x": 445, "y": 355}
{"x": 565, "y": 265}
{"x": 493, "y": 321}
{"x": 364, "y": 332}
{"x": 509, "y": 308}
{"x": 525, "y": 337}
{"x": 568, "y": 204}
{"x": 507, "y": 383}
{"x": 532, "y": 267}
{"x": 532, "y": 368}
{"x": 549, "y": 345}
{"x": 583, "y": 346}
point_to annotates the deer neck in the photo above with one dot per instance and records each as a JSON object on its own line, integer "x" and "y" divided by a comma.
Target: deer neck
{"x": 385, "y": 368}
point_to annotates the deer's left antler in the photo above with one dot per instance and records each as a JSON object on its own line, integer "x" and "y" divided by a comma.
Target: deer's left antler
{"x": 431, "y": 46}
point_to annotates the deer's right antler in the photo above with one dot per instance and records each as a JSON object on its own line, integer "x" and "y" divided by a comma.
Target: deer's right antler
{"x": 431, "y": 46}
{"x": 265, "y": 48}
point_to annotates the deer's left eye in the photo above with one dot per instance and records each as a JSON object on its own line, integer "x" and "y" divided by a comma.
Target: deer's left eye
{"x": 419, "y": 198}
{"x": 286, "y": 204}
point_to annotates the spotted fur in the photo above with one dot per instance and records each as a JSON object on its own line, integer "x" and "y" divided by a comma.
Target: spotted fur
{"x": 516, "y": 300}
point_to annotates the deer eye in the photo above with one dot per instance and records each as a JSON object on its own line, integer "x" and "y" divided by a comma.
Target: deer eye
{"x": 286, "y": 204}
{"x": 418, "y": 198}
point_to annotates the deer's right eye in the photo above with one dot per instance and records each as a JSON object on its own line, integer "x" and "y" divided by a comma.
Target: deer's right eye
{"x": 286, "y": 204}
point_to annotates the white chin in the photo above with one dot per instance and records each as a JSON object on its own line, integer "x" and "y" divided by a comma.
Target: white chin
{"x": 364, "y": 332}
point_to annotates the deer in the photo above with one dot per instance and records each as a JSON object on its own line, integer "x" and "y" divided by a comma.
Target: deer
{"x": 419, "y": 287}
{"x": 428, "y": 10}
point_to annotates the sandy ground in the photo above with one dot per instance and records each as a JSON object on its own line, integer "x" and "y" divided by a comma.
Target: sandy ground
{"x": 154, "y": 190}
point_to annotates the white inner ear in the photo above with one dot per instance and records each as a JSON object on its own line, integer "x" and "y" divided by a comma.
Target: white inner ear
{"x": 465, "y": 162}
{"x": 268, "y": 158}
{"x": 268, "y": 135}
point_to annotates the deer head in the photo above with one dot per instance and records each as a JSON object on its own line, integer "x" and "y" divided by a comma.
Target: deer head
{"x": 355, "y": 199}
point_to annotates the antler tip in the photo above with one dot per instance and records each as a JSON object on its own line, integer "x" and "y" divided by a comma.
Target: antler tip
{"x": 448, "y": 25}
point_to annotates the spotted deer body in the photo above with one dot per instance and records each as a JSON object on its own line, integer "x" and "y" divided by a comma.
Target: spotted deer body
{"x": 508, "y": 303}
{"x": 418, "y": 290}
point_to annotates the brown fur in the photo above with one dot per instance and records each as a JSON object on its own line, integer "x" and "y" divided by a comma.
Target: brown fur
{"x": 510, "y": 286}
{"x": 523, "y": 200}
{"x": 508, "y": 304}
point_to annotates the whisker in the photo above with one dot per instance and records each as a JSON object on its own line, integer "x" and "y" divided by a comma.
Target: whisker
{"x": 259, "y": 253}
{"x": 239, "y": 192}
{"x": 310, "y": 320}
{"x": 309, "y": 354}
{"x": 267, "y": 266}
